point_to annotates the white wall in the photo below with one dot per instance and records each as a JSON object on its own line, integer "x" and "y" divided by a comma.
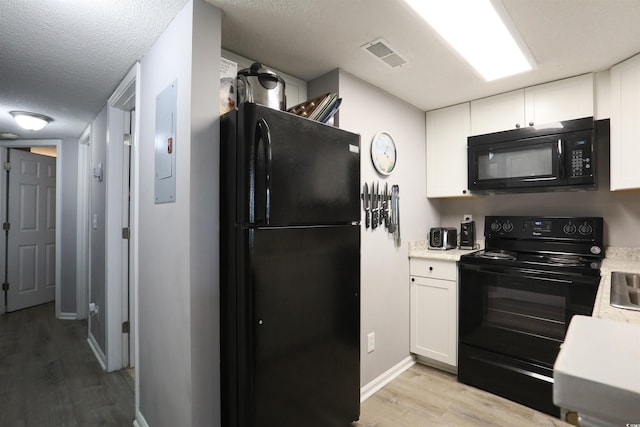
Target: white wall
{"x": 69, "y": 197}
{"x": 178, "y": 307}
{"x": 368, "y": 110}
{"x": 97, "y": 293}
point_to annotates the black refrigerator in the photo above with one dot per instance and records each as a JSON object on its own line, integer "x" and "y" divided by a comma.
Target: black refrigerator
{"x": 290, "y": 271}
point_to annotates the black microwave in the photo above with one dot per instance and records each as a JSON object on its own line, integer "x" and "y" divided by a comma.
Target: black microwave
{"x": 557, "y": 156}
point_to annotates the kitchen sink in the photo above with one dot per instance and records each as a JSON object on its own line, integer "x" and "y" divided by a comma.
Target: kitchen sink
{"x": 625, "y": 290}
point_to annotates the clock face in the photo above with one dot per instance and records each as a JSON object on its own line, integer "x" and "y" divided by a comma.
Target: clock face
{"x": 383, "y": 153}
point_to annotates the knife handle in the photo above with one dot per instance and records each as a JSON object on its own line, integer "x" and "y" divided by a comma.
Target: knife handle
{"x": 366, "y": 218}
{"x": 374, "y": 218}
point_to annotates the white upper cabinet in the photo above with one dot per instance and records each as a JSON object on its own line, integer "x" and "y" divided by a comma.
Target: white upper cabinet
{"x": 497, "y": 113}
{"x": 447, "y": 132}
{"x": 550, "y": 102}
{"x": 625, "y": 125}
{"x": 560, "y": 100}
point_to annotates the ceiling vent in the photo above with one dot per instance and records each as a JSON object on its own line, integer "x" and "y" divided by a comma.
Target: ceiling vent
{"x": 380, "y": 49}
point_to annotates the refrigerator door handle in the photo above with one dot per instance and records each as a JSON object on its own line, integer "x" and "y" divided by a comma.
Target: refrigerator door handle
{"x": 264, "y": 134}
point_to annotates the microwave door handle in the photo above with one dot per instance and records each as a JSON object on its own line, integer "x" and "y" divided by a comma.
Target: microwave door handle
{"x": 549, "y": 178}
{"x": 561, "y": 171}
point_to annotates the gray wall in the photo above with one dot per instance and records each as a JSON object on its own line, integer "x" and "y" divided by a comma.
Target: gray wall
{"x": 620, "y": 210}
{"x": 368, "y": 110}
{"x": 178, "y": 307}
{"x": 97, "y": 293}
{"x": 67, "y": 246}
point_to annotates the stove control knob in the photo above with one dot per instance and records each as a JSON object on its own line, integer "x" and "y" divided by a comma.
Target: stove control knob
{"x": 569, "y": 228}
{"x": 507, "y": 226}
{"x": 585, "y": 229}
{"x": 596, "y": 250}
{"x": 495, "y": 226}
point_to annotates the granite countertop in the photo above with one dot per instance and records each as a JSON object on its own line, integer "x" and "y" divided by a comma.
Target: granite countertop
{"x": 616, "y": 259}
{"x": 420, "y": 249}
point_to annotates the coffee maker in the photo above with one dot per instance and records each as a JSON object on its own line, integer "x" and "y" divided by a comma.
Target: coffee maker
{"x": 467, "y": 235}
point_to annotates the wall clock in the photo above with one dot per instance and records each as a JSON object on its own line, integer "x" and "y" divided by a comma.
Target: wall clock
{"x": 384, "y": 153}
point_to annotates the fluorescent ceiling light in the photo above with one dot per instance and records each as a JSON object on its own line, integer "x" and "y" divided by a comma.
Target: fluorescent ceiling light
{"x": 474, "y": 29}
{"x": 30, "y": 121}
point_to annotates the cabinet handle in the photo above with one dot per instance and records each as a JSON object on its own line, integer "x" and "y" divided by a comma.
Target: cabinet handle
{"x": 517, "y": 125}
{"x": 413, "y": 279}
{"x": 430, "y": 268}
{"x": 464, "y": 191}
{"x": 530, "y": 123}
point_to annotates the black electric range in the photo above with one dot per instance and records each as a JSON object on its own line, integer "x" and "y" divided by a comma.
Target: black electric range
{"x": 517, "y": 298}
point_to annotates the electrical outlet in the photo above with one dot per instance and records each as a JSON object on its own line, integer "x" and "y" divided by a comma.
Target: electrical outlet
{"x": 467, "y": 218}
{"x": 371, "y": 342}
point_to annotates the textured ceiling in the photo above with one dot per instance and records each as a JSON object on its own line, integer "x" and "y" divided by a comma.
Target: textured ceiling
{"x": 64, "y": 58}
{"x": 308, "y": 38}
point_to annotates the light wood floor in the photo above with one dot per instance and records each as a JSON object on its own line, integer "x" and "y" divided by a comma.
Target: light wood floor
{"x": 424, "y": 396}
{"x": 50, "y": 377}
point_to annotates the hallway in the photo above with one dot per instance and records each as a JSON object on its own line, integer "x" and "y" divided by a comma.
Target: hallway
{"x": 50, "y": 377}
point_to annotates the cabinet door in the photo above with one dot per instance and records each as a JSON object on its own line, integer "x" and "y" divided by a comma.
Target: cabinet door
{"x": 625, "y": 125}
{"x": 434, "y": 319}
{"x": 498, "y": 113}
{"x": 560, "y": 100}
{"x": 447, "y": 132}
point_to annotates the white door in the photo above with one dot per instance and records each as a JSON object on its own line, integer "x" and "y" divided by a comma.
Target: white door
{"x": 31, "y": 241}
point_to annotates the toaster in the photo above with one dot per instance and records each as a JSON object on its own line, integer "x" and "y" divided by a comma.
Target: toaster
{"x": 443, "y": 238}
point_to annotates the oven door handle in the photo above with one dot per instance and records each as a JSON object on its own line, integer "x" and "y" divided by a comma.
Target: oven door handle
{"x": 523, "y": 273}
{"x": 515, "y": 369}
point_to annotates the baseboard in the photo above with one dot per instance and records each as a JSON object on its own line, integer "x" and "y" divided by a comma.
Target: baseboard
{"x": 97, "y": 352}
{"x": 372, "y": 387}
{"x": 68, "y": 316}
{"x": 140, "y": 421}
{"x": 436, "y": 364}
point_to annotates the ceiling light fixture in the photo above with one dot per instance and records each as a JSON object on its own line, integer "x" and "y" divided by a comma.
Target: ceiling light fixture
{"x": 30, "y": 121}
{"x": 474, "y": 29}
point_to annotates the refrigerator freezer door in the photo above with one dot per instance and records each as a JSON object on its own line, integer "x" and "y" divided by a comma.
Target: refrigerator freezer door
{"x": 294, "y": 171}
{"x": 303, "y": 337}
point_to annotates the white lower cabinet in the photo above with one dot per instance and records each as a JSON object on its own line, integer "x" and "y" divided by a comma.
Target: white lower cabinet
{"x": 434, "y": 310}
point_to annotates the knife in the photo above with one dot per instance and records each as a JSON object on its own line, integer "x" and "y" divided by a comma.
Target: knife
{"x": 365, "y": 204}
{"x": 380, "y": 209}
{"x": 374, "y": 206}
{"x": 395, "y": 214}
{"x": 385, "y": 207}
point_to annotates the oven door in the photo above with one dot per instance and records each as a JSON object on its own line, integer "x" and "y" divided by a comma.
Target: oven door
{"x": 522, "y": 164}
{"x": 520, "y": 313}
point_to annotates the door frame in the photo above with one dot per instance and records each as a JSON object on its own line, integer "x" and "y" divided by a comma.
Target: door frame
{"x": 23, "y": 143}
{"x": 83, "y": 248}
{"x": 121, "y": 301}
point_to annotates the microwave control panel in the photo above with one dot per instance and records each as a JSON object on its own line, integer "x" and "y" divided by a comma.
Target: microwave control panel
{"x": 580, "y": 156}
{"x": 580, "y": 163}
